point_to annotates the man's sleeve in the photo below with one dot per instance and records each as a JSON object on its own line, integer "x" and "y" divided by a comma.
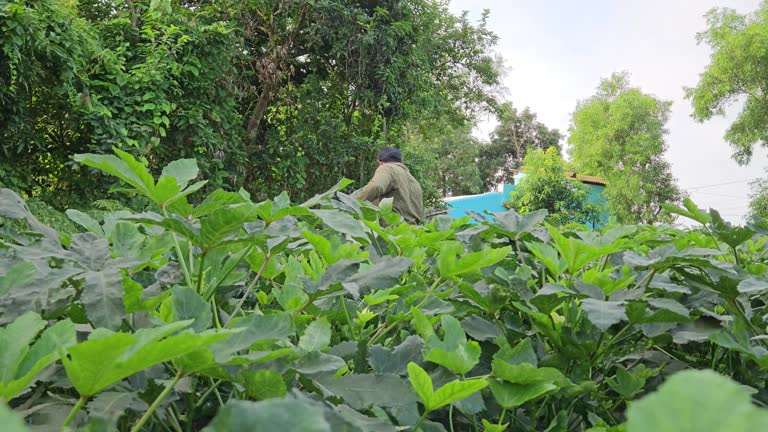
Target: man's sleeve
{"x": 378, "y": 186}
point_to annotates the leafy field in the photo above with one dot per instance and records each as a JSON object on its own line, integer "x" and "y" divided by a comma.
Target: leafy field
{"x": 234, "y": 315}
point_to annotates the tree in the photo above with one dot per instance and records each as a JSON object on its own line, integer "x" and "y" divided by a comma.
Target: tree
{"x": 545, "y": 186}
{"x": 269, "y": 95}
{"x": 618, "y": 134}
{"x": 737, "y": 71}
{"x": 518, "y": 133}
{"x": 758, "y": 204}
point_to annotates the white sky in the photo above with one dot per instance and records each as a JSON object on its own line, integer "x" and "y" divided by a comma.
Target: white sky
{"x": 558, "y": 51}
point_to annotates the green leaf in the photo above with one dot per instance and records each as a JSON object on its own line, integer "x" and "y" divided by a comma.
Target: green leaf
{"x": 13, "y": 207}
{"x": 343, "y": 223}
{"x": 253, "y": 328}
{"x": 262, "y": 384}
{"x": 385, "y": 273}
{"x": 604, "y": 314}
{"x": 225, "y": 223}
{"x": 395, "y": 361}
{"x": 102, "y": 297}
{"x": 364, "y": 391}
{"x": 20, "y": 363}
{"x": 453, "y": 351}
{"x": 18, "y": 276}
{"x": 181, "y": 170}
{"x": 316, "y": 337}
{"x": 85, "y": 221}
{"x": 548, "y": 256}
{"x": 697, "y": 401}
{"x": 421, "y": 383}
{"x": 521, "y": 353}
{"x": 525, "y": 373}
{"x": 450, "y": 265}
{"x": 513, "y": 395}
{"x": 576, "y": 253}
{"x": 114, "y": 404}
{"x": 490, "y": 427}
{"x": 188, "y": 304}
{"x": 625, "y": 383}
{"x": 455, "y": 391}
{"x": 10, "y": 421}
{"x": 317, "y": 199}
{"x": 106, "y": 358}
{"x": 269, "y": 415}
{"x": 690, "y": 211}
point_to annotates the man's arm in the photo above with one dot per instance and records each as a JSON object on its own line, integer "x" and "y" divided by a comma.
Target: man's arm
{"x": 379, "y": 185}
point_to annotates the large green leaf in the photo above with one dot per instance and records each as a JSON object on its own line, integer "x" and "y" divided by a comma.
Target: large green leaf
{"x": 20, "y": 363}
{"x": 385, "y": 360}
{"x": 106, "y": 357}
{"x": 10, "y": 421}
{"x": 576, "y": 253}
{"x": 453, "y": 351}
{"x": 269, "y": 415}
{"x": 604, "y": 314}
{"x": 513, "y": 395}
{"x": 262, "y": 384}
{"x": 252, "y": 329}
{"x": 697, "y": 401}
{"x": 13, "y": 207}
{"x": 188, "y": 304}
{"x": 364, "y": 391}
{"x": 385, "y": 273}
{"x": 316, "y": 337}
{"x": 19, "y": 275}
{"x": 449, "y": 393}
{"x": 343, "y": 222}
{"x": 102, "y": 297}
{"x": 454, "y": 260}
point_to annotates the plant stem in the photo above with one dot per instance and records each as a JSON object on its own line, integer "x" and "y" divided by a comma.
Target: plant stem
{"x": 450, "y": 417}
{"x": 177, "y": 246}
{"x": 215, "y": 313}
{"x": 156, "y": 403}
{"x": 252, "y": 285}
{"x": 207, "y": 393}
{"x": 200, "y": 273}
{"x": 80, "y": 403}
{"x": 429, "y": 292}
{"x": 503, "y": 413}
{"x": 421, "y": 420}
{"x": 349, "y": 318}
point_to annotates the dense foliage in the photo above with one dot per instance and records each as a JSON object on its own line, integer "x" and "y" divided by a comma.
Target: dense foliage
{"x": 545, "y": 186}
{"x": 737, "y": 71}
{"x": 619, "y": 134}
{"x": 236, "y": 315}
{"x": 268, "y": 95}
{"x": 517, "y": 133}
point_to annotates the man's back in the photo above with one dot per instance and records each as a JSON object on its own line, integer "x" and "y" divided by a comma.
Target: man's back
{"x": 394, "y": 180}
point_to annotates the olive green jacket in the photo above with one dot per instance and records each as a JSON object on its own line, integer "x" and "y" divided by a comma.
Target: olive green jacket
{"x": 393, "y": 180}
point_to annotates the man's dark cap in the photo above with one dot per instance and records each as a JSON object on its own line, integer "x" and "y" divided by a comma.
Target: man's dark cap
{"x": 390, "y": 154}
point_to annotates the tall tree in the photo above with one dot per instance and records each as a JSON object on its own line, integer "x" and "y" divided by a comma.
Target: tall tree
{"x": 618, "y": 134}
{"x": 737, "y": 71}
{"x": 517, "y": 133}
{"x": 268, "y": 95}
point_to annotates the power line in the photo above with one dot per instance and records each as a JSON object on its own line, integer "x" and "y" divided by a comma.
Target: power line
{"x": 720, "y": 184}
{"x": 720, "y": 195}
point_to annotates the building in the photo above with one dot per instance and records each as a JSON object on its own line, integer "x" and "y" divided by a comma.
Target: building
{"x": 493, "y": 201}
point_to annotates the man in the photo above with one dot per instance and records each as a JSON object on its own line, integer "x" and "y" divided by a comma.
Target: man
{"x": 393, "y": 180}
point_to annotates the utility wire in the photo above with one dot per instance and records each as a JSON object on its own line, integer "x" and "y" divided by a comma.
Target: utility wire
{"x": 720, "y": 184}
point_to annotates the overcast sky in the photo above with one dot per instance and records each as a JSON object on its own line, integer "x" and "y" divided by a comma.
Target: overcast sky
{"x": 558, "y": 51}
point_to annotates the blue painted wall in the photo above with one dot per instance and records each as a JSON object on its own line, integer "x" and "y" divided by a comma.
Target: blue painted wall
{"x": 491, "y": 201}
